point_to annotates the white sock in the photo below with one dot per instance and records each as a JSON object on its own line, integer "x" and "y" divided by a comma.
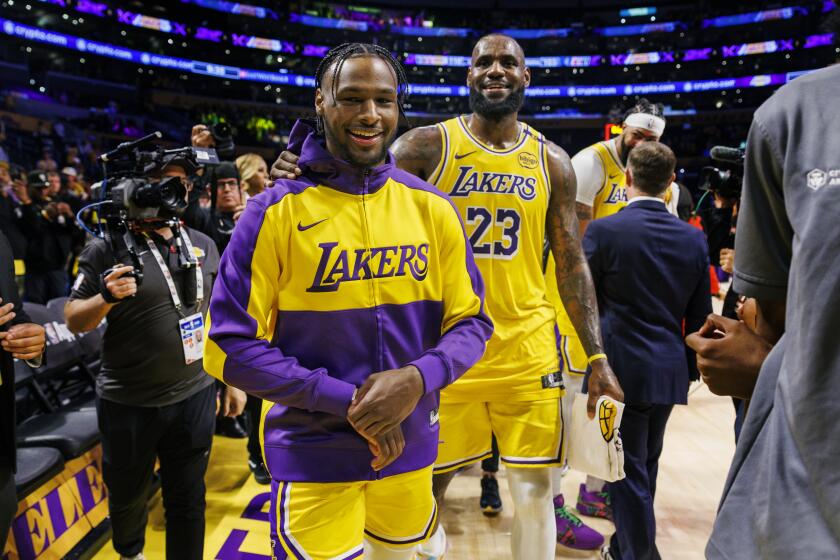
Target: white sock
{"x": 594, "y": 484}
{"x": 435, "y": 547}
{"x": 377, "y": 551}
{"x": 534, "y": 532}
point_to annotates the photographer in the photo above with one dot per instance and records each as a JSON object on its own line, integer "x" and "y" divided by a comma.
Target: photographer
{"x": 154, "y": 399}
{"x": 50, "y": 229}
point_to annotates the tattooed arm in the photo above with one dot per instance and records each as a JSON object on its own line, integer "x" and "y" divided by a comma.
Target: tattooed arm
{"x": 584, "y": 216}
{"x": 418, "y": 151}
{"x": 573, "y": 277}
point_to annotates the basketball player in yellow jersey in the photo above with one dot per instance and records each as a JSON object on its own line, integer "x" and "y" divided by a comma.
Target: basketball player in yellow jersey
{"x": 511, "y": 186}
{"x": 600, "y": 172}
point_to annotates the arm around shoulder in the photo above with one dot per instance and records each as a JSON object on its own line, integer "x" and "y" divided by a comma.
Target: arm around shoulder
{"x": 419, "y": 151}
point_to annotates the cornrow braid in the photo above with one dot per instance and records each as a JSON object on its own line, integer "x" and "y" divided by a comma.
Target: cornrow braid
{"x": 646, "y": 107}
{"x": 336, "y": 57}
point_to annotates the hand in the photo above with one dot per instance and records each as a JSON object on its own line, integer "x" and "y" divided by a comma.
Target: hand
{"x": 386, "y": 448}
{"x": 7, "y": 313}
{"x": 21, "y": 192}
{"x": 727, "y": 260}
{"x": 237, "y": 212}
{"x": 120, "y": 287}
{"x": 64, "y": 208}
{"x": 602, "y": 381}
{"x": 51, "y": 211}
{"x": 729, "y": 356}
{"x": 24, "y": 341}
{"x": 234, "y": 402}
{"x": 201, "y": 137}
{"x": 384, "y": 400}
{"x": 285, "y": 167}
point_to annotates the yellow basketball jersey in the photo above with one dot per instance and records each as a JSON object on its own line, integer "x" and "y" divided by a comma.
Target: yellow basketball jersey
{"x": 502, "y": 195}
{"x": 611, "y": 198}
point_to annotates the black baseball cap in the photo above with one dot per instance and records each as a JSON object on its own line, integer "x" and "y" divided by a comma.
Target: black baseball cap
{"x": 37, "y": 179}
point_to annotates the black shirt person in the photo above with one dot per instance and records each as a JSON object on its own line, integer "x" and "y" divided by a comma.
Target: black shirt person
{"x": 154, "y": 399}
{"x": 21, "y": 339}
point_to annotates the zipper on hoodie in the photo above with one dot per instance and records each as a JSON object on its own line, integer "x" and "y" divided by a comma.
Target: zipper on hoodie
{"x": 377, "y": 314}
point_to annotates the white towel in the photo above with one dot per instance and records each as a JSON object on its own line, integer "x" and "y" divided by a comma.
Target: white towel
{"x": 595, "y": 445}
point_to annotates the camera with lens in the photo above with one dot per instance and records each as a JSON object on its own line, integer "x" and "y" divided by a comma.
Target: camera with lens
{"x": 726, "y": 178}
{"x": 223, "y": 139}
{"x": 135, "y": 197}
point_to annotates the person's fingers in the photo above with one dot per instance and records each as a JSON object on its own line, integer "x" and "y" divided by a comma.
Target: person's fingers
{"x": 591, "y": 402}
{"x": 26, "y": 355}
{"x": 696, "y": 342}
{"x": 722, "y": 323}
{"x": 6, "y": 313}
{"x": 12, "y": 341}
{"x": 288, "y": 156}
{"x": 118, "y": 272}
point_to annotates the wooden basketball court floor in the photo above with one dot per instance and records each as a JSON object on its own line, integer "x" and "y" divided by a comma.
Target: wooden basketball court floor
{"x": 699, "y": 444}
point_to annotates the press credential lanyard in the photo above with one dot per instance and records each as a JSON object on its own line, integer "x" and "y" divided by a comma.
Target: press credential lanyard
{"x": 191, "y": 327}
{"x": 199, "y": 279}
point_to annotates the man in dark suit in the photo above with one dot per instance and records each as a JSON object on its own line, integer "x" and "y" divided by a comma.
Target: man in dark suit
{"x": 651, "y": 272}
{"x": 18, "y": 339}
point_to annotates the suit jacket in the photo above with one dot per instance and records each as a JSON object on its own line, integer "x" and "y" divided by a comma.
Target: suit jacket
{"x": 651, "y": 271}
{"x": 9, "y": 293}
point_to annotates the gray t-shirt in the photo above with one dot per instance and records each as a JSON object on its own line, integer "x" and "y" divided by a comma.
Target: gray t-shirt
{"x": 782, "y": 496}
{"x": 142, "y": 355}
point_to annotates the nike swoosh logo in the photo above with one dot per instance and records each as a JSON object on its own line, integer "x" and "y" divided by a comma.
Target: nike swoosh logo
{"x": 304, "y": 228}
{"x": 461, "y": 156}
{"x": 614, "y": 176}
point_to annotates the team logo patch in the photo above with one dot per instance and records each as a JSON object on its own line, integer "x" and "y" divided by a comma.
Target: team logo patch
{"x": 198, "y": 252}
{"x": 434, "y": 416}
{"x": 606, "y": 419}
{"x": 817, "y": 178}
{"x": 528, "y": 160}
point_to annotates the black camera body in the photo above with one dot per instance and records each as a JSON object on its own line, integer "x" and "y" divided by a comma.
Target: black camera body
{"x": 726, "y": 179}
{"x": 134, "y": 196}
{"x": 223, "y": 139}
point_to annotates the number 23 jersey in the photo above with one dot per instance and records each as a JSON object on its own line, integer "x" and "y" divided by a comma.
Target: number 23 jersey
{"x": 502, "y": 196}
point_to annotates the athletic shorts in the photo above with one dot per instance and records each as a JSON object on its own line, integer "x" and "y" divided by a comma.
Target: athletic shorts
{"x": 529, "y": 433}
{"x": 573, "y": 357}
{"x": 329, "y": 520}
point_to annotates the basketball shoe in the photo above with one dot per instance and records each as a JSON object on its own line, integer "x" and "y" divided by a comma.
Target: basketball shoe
{"x": 571, "y": 531}
{"x": 594, "y": 504}
{"x": 490, "y": 502}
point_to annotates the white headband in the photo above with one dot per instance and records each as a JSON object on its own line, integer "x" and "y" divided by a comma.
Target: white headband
{"x": 648, "y": 122}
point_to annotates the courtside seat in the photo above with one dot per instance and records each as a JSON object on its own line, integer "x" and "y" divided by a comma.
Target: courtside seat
{"x": 25, "y": 378}
{"x": 35, "y": 466}
{"x": 70, "y": 432}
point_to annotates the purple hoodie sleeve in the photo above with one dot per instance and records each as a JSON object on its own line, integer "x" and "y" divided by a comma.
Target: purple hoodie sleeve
{"x": 466, "y": 327}
{"x": 243, "y": 313}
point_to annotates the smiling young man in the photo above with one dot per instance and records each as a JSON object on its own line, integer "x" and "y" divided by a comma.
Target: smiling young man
{"x": 511, "y": 187}
{"x": 355, "y": 267}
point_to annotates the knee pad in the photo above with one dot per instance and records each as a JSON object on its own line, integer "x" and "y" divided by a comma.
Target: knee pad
{"x": 530, "y": 490}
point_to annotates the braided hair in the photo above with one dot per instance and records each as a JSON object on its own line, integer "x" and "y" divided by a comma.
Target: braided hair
{"x": 646, "y": 107}
{"x": 335, "y": 59}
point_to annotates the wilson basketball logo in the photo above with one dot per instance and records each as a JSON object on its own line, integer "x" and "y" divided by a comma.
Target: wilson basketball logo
{"x": 528, "y": 160}
{"x": 606, "y": 419}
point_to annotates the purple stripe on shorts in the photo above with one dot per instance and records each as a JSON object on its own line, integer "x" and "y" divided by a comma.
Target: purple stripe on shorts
{"x": 281, "y": 523}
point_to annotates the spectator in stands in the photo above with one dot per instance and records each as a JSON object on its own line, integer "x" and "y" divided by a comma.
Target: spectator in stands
{"x": 19, "y": 339}
{"x": 254, "y": 173}
{"x": 47, "y": 162}
{"x": 49, "y": 227}
{"x": 154, "y": 399}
